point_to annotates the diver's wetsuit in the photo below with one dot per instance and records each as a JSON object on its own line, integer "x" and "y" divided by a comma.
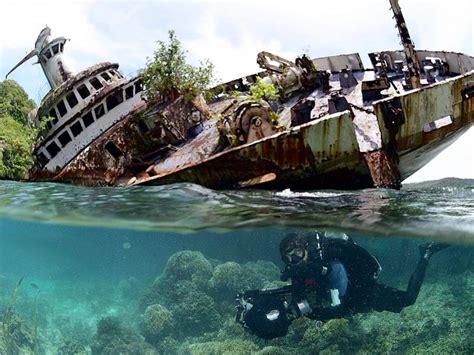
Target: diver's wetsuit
{"x": 352, "y": 271}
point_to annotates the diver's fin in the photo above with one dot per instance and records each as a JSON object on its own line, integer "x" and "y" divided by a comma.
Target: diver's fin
{"x": 427, "y": 250}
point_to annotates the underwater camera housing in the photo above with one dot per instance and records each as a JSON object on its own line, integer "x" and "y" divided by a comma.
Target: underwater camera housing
{"x": 264, "y": 312}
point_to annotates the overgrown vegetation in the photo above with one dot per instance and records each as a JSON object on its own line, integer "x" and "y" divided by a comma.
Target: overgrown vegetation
{"x": 16, "y": 136}
{"x": 263, "y": 91}
{"x": 167, "y": 72}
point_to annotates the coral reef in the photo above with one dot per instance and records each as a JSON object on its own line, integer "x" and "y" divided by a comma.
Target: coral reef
{"x": 227, "y": 347}
{"x": 16, "y": 337}
{"x": 157, "y": 323}
{"x": 440, "y": 321}
{"x": 230, "y": 278}
{"x": 188, "y": 265}
{"x": 189, "y": 310}
{"x": 185, "y": 272}
{"x": 196, "y": 314}
{"x": 114, "y": 338}
{"x": 71, "y": 347}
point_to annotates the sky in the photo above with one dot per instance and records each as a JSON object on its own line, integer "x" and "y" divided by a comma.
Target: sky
{"x": 230, "y": 34}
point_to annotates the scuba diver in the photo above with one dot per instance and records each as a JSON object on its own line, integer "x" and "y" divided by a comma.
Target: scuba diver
{"x": 330, "y": 278}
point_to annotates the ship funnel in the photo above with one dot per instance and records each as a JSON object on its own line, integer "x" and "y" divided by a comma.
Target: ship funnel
{"x": 50, "y": 56}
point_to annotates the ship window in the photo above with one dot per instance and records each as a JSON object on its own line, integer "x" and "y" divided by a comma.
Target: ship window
{"x": 83, "y": 91}
{"x": 99, "y": 111}
{"x": 64, "y": 138}
{"x": 88, "y": 119}
{"x": 54, "y": 116}
{"x": 42, "y": 159}
{"x": 96, "y": 83}
{"x": 138, "y": 86}
{"x": 105, "y": 76}
{"x": 47, "y": 54}
{"x": 61, "y": 108}
{"x": 52, "y": 113}
{"x": 113, "y": 100}
{"x": 76, "y": 128}
{"x": 113, "y": 150}
{"x": 53, "y": 149}
{"x": 61, "y": 46}
{"x": 55, "y": 48}
{"x": 129, "y": 92}
{"x": 117, "y": 74}
{"x": 72, "y": 99}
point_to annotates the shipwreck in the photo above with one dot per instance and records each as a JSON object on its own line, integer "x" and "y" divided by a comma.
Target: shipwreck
{"x": 335, "y": 124}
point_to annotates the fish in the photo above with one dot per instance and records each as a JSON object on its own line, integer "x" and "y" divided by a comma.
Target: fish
{"x": 32, "y": 284}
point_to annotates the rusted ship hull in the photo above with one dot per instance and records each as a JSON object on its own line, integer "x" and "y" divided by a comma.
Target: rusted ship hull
{"x": 337, "y": 151}
{"x": 325, "y": 153}
{"x": 331, "y": 152}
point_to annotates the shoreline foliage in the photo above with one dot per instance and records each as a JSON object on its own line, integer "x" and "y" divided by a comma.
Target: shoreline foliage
{"x": 17, "y": 137}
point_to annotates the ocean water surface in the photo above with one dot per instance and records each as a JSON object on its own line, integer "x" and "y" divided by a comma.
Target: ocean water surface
{"x": 155, "y": 270}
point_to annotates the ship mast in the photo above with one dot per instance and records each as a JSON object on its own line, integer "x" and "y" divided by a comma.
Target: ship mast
{"x": 412, "y": 60}
{"x": 50, "y": 55}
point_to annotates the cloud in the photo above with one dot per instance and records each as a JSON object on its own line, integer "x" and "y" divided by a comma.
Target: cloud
{"x": 234, "y": 57}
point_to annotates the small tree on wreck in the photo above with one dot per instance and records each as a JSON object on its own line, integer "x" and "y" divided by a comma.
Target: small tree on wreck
{"x": 167, "y": 73}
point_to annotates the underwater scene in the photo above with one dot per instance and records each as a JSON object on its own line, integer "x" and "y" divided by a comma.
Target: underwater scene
{"x": 181, "y": 269}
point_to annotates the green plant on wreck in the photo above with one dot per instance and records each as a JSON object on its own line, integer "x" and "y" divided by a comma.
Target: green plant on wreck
{"x": 42, "y": 130}
{"x": 262, "y": 90}
{"x": 168, "y": 74}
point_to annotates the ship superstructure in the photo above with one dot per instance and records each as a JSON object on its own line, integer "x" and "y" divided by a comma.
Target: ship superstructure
{"x": 80, "y": 107}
